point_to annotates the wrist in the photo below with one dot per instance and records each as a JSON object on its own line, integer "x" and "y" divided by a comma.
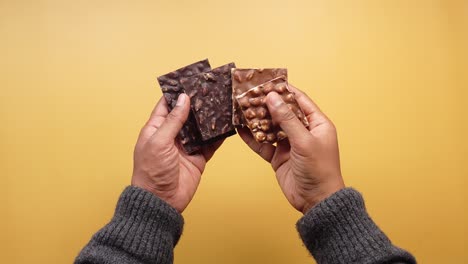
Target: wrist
{"x": 323, "y": 193}
{"x": 168, "y": 197}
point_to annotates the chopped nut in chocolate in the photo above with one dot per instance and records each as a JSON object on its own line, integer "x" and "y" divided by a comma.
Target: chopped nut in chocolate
{"x": 171, "y": 86}
{"x": 210, "y": 96}
{"x": 256, "y": 114}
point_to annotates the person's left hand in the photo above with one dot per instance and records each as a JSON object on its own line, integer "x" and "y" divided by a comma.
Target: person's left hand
{"x": 160, "y": 164}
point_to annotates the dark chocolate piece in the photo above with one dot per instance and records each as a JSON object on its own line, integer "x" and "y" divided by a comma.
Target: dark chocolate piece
{"x": 256, "y": 113}
{"x": 210, "y": 96}
{"x": 171, "y": 86}
{"x": 245, "y": 79}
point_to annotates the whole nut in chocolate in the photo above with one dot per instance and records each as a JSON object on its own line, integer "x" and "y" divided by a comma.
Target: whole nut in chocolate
{"x": 256, "y": 114}
{"x": 245, "y": 79}
{"x": 226, "y": 97}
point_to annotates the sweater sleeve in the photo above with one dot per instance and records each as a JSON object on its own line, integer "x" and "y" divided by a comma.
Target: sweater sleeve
{"x": 144, "y": 229}
{"x": 339, "y": 230}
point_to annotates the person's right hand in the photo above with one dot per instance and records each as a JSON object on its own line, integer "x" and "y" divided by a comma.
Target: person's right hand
{"x": 161, "y": 166}
{"x": 307, "y": 165}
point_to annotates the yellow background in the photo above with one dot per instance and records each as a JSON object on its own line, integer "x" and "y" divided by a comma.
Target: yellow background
{"x": 78, "y": 80}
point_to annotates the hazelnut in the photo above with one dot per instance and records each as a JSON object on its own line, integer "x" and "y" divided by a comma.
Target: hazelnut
{"x": 260, "y": 136}
{"x": 265, "y": 124}
{"x": 261, "y": 112}
{"x": 237, "y": 76}
{"x": 268, "y": 87}
{"x": 256, "y": 101}
{"x": 289, "y": 97}
{"x": 254, "y": 126}
{"x": 249, "y": 75}
{"x": 281, "y": 88}
{"x": 249, "y": 113}
{"x": 281, "y": 135}
{"x": 270, "y": 137}
{"x": 243, "y": 102}
{"x": 256, "y": 90}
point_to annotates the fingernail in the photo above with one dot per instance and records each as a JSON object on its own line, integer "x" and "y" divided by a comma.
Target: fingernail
{"x": 276, "y": 99}
{"x": 180, "y": 100}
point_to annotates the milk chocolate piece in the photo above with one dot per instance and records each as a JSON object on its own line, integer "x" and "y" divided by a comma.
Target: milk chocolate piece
{"x": 245, "y": 79}
{"x": 171, "y": 86}
{"x": 211, "y": 101}
{"x": 256, "y": 114}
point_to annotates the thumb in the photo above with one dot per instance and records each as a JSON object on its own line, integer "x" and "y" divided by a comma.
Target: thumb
{"x": 287, "y": 120}
{"x": 175, "y": 119}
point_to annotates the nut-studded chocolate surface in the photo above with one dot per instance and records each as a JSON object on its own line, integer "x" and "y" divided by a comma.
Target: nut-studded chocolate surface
{"x": 171, "y": 87}
{"x": 210, "y": 96}
{"x": 245, "y": 79}
{"x": 256, "y": 113}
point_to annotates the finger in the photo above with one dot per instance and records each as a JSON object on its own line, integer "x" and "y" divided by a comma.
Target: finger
{"x": 287, "y": 120}
{"x": 304, "y": 101}
{"x": 312, "y": 112}
{"x": 157, "y": 117}
{"x": 158, "y": 114}
{"x": 175, "y": 119}
{"x": 282, "y": 154}
{"x": 160, "y": 109}
{"x": 264, "y": 150}
{"x": 209, "y": 150}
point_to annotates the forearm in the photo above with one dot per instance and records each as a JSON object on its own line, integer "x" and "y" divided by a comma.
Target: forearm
{"x": 144, "y": 229}
{"x": 339, "y": 230}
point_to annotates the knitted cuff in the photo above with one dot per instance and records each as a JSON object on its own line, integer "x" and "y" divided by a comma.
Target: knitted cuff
{"x": 143, "y": 225}
{"x": 339, "y": 230}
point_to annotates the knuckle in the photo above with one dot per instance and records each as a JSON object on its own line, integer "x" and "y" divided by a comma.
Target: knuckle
{"x": 173, "y": 117}
{"x": 286, "y": 114}
{"x": 153, "y": 145}
{"x": 332, "y": 127}
{"x": 259, "y": 149}
{"x": 143, "y": 131}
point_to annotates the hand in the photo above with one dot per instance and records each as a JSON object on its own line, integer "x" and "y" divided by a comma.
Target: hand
{"x": 160, "y": 164}
{"x": 307, "y": 165}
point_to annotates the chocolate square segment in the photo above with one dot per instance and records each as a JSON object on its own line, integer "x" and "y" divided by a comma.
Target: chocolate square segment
{"x": 171, "y": 86}
{"x": 256, "y": 114}
{"x": 210, "y": 98}
{"x": 245, "y": 79}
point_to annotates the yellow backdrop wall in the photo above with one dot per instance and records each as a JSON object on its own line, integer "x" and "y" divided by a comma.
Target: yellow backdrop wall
{"x": 78, "y": 80}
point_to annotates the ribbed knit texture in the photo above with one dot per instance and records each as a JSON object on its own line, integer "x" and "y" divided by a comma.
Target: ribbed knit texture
{"x": 144, "y": 229}
{"x": 339, "y": 230}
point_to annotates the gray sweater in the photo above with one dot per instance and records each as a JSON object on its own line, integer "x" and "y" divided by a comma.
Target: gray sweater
{"x": 145, "y": 229}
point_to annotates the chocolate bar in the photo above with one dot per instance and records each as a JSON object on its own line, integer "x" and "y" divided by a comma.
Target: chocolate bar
{"x": 256, "y": 114}
{"x": 245, "y": 79}
{"x": 210, "y": 98}
{"x": 171, "y": 86}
